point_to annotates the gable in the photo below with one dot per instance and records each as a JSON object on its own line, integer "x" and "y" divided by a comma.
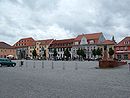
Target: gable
{"x": 83, "y": 40}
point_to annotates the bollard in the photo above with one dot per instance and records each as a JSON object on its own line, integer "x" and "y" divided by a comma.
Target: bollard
{"x": 63, "y": 66}
{"x": 17, "y": 63}
{"x": 34, "y": 64}
{"x": 26, "y": 64}
{"x": 76, "y": 66}
{"x": 21, "y": 64}
{"x": 42, "y": 64}
{"x": 52, "y": 65}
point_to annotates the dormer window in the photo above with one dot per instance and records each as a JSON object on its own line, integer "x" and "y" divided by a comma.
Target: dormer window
{"x": 91, "y": 41}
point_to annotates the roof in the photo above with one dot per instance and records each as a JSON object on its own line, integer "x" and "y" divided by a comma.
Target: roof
{"x": 89, "y": 36}
{"x": 61, "y": 43}
{"x": 28, "y": 38}
{"x": 25, "y": 42}
{"x": 109, "y": 42}
{"x": 126, "y": 39}
{"x": 45, "y": 42}
{"x": 5, "y": 45}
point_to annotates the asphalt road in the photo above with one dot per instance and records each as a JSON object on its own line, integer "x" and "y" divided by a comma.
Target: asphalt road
{"x": 63, "y": 80}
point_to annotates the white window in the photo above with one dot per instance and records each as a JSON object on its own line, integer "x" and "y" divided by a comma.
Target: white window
{"x": 91, "y": 41}
{"x": 76, "y": 43}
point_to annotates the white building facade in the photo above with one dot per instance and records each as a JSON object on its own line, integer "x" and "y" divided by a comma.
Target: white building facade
{"x": 87, "y": 42}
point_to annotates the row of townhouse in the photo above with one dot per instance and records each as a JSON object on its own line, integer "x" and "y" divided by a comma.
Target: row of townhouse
{"x": 87, "y": 42}
{"x": 24, "y": 47}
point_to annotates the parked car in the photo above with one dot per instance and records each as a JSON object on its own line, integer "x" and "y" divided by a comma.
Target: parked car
{"x": 6, "y": 62}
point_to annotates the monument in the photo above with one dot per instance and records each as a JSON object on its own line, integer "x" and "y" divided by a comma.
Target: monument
{"x": 109, "y": 63}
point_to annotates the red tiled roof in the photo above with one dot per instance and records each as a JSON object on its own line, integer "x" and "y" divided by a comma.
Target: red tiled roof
{"x": 121, "y": 43}
{"x": 45, "y": 42}
{"x": 65, "y": 43}
{"x": 109, "y": 42}
{"x": 89, "y": 36}
{"x": 5, "y": 45}
{"x": 25, "y": 42}
{"x": 29, "y": 38}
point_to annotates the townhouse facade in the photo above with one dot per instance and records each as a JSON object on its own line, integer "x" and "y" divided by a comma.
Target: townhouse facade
{"x": 122, "y": 49}
{"x": 25, "y": 47}
{"x": 7, "y": 50}
{"x": 87, "y": 42}
{"x": 42, "y": 48}
{"x": 60, "y": 46}
{"x": 22, "y": 47}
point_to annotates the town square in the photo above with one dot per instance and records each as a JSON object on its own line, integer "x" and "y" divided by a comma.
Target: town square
{"x": 64, "y": 49}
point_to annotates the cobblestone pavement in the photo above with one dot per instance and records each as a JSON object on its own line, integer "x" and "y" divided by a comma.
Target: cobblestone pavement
{"x": 73, "y": 79}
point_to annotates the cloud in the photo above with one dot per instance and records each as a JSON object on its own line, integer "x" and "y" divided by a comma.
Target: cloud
{"x": 59, "y": 19}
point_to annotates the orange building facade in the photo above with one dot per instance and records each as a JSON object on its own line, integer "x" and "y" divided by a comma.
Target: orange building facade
{"x": 7, "y": 50}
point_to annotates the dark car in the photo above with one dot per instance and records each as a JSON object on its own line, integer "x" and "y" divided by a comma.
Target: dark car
{"x": 6, "y": 62}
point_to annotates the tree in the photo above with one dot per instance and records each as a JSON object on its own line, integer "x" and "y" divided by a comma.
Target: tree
{"x": 82, "y": 53}
{"x": 79, "y": 53}
{"x": 34, "y": 53}
{"x": 94, "y": 52}
{"x": 111, "y": 52}
{"x": 55, "y": 53}
{"x": 99, "y": 52}
{"x": 67, "y": 54}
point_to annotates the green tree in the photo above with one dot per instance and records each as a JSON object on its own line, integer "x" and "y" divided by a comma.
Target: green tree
{"x": 94, "y": 52}
{"x": 99, "y": 52}
{"x": 79, "y": 53}
{"x": 34, "y": 53}
{"x": 82, "y": 53}
{"x": 111, "y": 52}
{"x": 67, "y": 54}
{"x": 55, "y": 53}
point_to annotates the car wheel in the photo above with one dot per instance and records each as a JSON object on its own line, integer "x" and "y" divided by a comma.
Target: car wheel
{"x": 0, "y": 65}
{"x": 13, "y": 65}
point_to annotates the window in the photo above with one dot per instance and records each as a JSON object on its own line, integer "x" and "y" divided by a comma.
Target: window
{"x": 119, "y": 56}
{"x": 125, "y": 48}
{"x": 121, "y": 48}
{"x": 117, "y": 48}
{"x": 76, "y": 43}
{"x": 91, "y": 41}
{"x": 126, "y": 56}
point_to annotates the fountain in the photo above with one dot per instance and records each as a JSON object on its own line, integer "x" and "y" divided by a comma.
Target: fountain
{"x": 109, "y": 63}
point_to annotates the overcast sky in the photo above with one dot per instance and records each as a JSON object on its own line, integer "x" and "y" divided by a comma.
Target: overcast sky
{"x": 58, "y": 19}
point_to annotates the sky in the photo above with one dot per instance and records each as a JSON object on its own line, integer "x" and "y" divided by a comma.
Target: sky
{"x": 61, "y": 19}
